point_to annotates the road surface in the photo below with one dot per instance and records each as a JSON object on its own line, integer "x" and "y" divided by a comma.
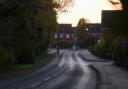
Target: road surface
{"x": 68, "y": 71}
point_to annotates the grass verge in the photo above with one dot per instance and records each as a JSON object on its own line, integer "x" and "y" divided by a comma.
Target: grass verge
{"x": 21, "y": 69}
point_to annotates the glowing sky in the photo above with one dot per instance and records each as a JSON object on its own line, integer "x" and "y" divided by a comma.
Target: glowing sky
{"x": 90, "y": 9}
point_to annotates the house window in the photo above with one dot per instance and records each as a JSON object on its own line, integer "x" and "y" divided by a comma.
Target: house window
{"x": 55, "y": 36}
{"x": 61, "y": 35}
{"x": 67, "y": 35}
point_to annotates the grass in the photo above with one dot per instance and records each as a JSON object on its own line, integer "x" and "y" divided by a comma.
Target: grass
{"x": 20, "y": 69}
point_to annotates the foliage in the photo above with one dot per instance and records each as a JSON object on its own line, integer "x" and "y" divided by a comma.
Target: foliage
{"x": 120, "y": 49}
{"x": 19, "y": 69}
{"x": 26, "y": 27}
{"x": 63, "y": 5}
{"x": 100, "y": 48}
{"x": 81, "y": 32}
{"x": 124, "y": 4}
{"x": 7, "y": 60}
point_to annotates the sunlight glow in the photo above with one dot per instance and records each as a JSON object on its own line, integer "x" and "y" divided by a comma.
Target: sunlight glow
{"x": 90, "y": 9}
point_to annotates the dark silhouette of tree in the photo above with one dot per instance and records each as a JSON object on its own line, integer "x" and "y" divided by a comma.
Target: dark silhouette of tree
{"x": 123, "y": 2}
{"x": 63, "y": 5}
{"x": 81, "y": 32}
{"x": 27, "y": 26}
{"x": 114, "y": 3}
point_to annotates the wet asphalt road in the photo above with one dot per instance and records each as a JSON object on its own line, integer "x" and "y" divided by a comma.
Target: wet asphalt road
{"x": 68, "y": 71}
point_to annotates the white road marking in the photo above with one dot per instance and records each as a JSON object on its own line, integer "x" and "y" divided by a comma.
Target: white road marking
{"x": 46, "y": 79}
{"x": 54, "y": 75}
{"x": 36, "y": 84}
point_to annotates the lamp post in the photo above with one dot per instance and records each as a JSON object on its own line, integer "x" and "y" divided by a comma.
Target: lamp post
{"x": 89, "y": 37}
{"x": 75, "y": 42}
{"x": 57, "y": 46}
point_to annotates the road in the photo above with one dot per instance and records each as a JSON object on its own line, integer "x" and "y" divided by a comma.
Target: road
{"x": 67, "y": 71}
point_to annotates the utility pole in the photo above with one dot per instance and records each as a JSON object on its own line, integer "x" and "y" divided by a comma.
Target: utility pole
{"x": 57, "y": 48}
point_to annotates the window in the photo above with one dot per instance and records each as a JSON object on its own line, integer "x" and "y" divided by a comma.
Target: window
{"x": 55, "y": 36}
{"x": 61, "y": 35}
{"x": 67, "y": 35}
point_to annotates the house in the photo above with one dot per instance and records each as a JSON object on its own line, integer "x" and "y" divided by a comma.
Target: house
{"x": 64, "y": 33}
{"x": 64, "y": 36}
{"x": 114, "y": 20}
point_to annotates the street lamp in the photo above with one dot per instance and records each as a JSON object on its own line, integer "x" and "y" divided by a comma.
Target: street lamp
{"x": 89, "y": 37}
{"x": 86, "y": 29}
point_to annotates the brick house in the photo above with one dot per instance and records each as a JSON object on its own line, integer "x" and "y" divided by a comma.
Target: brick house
{"x": 64, "y": 36}
{"x": 114, "y": 19}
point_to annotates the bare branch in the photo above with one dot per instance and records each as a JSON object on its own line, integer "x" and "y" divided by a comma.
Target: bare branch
{"x": 114, "y": 2}
{"x": 63, "y": 5}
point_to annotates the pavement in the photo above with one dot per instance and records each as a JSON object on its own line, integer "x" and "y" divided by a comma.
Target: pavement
{"x": 109, "y": 76}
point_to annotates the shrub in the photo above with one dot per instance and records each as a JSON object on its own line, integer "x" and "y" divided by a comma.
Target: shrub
{"x": 26, "y": 57}
{"x": 120, "y": 50}
{"x": 7, "y": 60}
{"x": 100, "y": 48}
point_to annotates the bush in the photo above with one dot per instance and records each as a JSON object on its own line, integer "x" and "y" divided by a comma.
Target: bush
{"x": 7, "y": 60}
{"x": 100, "y": 48}
{"x": 120, "y": 50}
{"x": 26, "y": 57}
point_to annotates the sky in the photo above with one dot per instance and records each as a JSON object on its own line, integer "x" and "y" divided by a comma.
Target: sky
{"x": 89, "y": 9}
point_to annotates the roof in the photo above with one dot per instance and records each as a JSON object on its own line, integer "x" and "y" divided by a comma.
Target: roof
{"x": 111, "y": 18}
{"x": 65, "y": 28}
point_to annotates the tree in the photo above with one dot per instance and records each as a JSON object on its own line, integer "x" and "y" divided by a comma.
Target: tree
{"x": 27, "y": 26}
{"x": 63, "y": 5}
{"x": 123, "y": 2}
{"x": 81, "y": 31}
